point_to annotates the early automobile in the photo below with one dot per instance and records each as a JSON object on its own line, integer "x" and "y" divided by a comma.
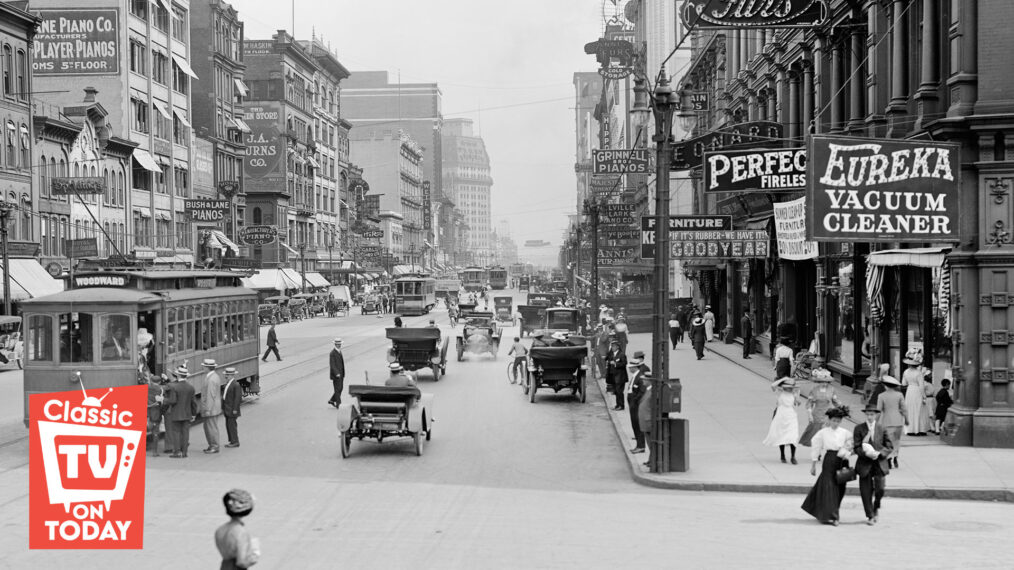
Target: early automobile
{"x": 314, "y": 303}
{"x": 480, "y": 334}
{"x": 12, "y": 346}
{"x": 267, "y": 313}
{"x": 504, "y": 309}
{"x": 284, "y": 311}
{"x": 541, "y": 299}
{"x": 531, "y": 318}
{"x": 416, "y": 348}
{"x": 370, "y": 305}
{"x": 298, "y": 308}
{"x": 558, "y": 364}
{"x": 383, "y": 412}
{"x": 561, "y": 319}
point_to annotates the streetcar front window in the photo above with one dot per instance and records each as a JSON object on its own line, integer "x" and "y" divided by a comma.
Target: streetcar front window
{"x": 77, "y": 341}
{"x": 40, "y": 338}
{"x": 116, "y": 343}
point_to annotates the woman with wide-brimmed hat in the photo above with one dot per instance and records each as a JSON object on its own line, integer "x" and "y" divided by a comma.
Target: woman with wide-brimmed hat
{"x": 894, "y": 416}
{"x": 819, "y": 400}
{"x": 832, "y": 447}
{"x": 784, "y": 428}
{"x": 914, "y": 388}
{"x": 698, "y": 335}
{"x": 709, "y": 323}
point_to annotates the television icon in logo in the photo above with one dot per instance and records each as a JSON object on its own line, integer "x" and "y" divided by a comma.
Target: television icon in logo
{"x": 91, "y": 454}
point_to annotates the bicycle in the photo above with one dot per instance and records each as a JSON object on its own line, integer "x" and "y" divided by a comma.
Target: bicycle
{"x": 513, "y": 368}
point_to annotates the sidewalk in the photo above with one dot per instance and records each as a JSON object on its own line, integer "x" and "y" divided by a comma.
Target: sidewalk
{"x": 728, "y": 402}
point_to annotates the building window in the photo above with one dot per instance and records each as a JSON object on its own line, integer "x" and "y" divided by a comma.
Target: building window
{"x": 180, "y": 132}
{"x": 160, "y": 184}
{"x": 160, "y": 19}
{"x": 22, "y": 74}
{"x": 159, "y": 67}
{"x": 139, "y": 8}
{"x": 12, "y": 134}
{"x": 179, "y": 25}
{"x": 26, "y": 154}
{"x": 139, "y": 116}
{"x": 181, "y": 80}
{"x": 141, "y": 177}
{"x": 182, "y": 176}
{"x": 8, "y": 67}
{"x": 138, "y": 57}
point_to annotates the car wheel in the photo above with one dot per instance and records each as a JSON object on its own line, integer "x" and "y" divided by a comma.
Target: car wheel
{"x": 461, "y": 353}
{"x": 436, "y": 373}
{"x": 346, "y": 442}
{"x": 418, "y": 438}
{"x": 21, "y": 363}
{"x": 533, "y": 385}
{"x": 584, "y": 389}
{"x": 525, "y": 382}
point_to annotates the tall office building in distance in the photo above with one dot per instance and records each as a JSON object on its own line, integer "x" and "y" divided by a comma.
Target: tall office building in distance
{"x": 468, "y": 182}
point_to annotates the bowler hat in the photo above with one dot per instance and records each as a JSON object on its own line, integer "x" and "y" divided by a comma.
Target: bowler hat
{"x": 871, "y": 407}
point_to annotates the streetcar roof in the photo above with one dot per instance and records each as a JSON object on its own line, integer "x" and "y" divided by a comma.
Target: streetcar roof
{"x": 6, "y": 320}
{"x": 120, "y": 296}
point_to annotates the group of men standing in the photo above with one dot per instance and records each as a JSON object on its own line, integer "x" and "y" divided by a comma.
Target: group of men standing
{"x": 179, "y": 404}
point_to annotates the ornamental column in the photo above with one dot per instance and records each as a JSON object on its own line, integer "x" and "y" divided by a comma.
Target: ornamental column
{"x": 897, "y": 109}
{"x": 926, "y": 96}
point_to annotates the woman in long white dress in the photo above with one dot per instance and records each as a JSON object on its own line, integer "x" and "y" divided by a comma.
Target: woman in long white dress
{"x": 784, "y": 428}
{"x": 709, "y": 324}
{"x": 915, "y": 394}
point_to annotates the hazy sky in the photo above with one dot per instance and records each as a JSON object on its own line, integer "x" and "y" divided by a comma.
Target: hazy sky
{"x": 506, "y": 65}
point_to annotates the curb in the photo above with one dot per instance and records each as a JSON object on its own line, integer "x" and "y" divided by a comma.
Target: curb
{"x": 655, "y": 481}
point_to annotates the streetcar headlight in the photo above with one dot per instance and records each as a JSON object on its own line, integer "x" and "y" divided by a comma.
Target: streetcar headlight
{"x": 391, "y": 356}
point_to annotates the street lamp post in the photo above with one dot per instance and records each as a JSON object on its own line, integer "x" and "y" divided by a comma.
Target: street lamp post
{"x": 664, "y": 103}
{"x": 5, "y": 212}
{"x": 302, "y": 265}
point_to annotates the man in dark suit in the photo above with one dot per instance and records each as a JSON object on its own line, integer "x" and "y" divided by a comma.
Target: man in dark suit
{"x": 232, "y": 397}
{"x": 636, "y": 390}
{"x": 272, "y": 344}
{"x": 873, "y": 447}
{"x": 746, "y": 330}
{"x": 337, "y": 373}
{"x": 182, "y": 410}
{"x": 616, "y": 366}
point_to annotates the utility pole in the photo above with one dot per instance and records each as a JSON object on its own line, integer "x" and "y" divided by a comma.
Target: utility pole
{"x": 5, "y": 212}
{"x": 302, "y": 265}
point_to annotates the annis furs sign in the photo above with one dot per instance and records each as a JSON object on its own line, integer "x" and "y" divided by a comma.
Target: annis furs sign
{"x": 872, "y": 190}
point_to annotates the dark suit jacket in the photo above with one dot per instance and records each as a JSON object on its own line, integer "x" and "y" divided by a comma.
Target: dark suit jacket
{"x": 746, "y": 327}
{"x": 272, "y": 337}
{"x": 865, "y": 466}
{"x": 182, "y": 404}
{"x": 638, "y": 385}
{"x": 232, "y": 398}
{"x": 337, "y": 364}
{"x": 616, "y": 366}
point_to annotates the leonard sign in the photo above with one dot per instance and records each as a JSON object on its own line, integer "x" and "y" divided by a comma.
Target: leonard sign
{"x": 871, "y": 190}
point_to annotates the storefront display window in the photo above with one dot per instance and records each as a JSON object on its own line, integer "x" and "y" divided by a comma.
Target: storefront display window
{"x": 942, "y": 347}
{"x": 843, "y": 341}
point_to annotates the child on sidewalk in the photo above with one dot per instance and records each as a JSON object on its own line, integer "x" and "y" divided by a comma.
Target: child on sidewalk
{"x": 944, "y": 402}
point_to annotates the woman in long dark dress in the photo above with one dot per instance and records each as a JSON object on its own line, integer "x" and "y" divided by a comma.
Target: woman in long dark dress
{"x": 834, "y": 443}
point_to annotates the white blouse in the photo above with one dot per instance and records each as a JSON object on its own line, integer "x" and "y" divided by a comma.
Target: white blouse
{"x": 828, "y": 439}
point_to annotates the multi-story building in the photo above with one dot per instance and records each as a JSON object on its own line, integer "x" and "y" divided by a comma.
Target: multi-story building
{"x": 587, "y": 93}
{"x": 280, "y": 164}
{"x": 372, "y": 102}
{"x": 137, "y": 55}
{"x": 468, "y": 181}
{"x": 930, "y": 71}
{"x": 334, "y": 210}
{"x": 216, "y": 34}
{"x": 393, "y": 164}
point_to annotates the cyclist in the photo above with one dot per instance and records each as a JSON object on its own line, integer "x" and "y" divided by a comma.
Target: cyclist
{"x": 520, "y": 358}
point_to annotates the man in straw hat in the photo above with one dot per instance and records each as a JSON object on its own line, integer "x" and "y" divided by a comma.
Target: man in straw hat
{"x": 635, "y": 390}
{"x": 873, "y": 447}
{"x": 398, "y": 378}
{"x": 211, "y": 405}
{"x": 336, "y": 363}
{"x": 232, "y": 397}
{"x": 891, "y": 404}
{"x": 182, "y": 410}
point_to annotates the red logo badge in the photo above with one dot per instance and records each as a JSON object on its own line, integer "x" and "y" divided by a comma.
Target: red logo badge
{"x": 86, "y": 469}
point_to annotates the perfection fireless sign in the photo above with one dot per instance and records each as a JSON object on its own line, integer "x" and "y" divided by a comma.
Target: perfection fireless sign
{"x": 871, "y": 190}
{"x": 86, "y": 466}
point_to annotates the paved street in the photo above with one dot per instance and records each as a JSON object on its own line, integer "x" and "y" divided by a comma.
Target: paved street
{"x": 503, "y": 484}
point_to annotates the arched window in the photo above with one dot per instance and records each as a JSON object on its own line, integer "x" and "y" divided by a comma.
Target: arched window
{"x": 43, "y": 176}
{"x": 8, "y": 68}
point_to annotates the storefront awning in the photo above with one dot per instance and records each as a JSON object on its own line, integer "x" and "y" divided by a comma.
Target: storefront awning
{"x": 160, "y": 107}
{"x": 403, "y": 269}
{"x": 241, "y": 125}
{"x": 317, "y": 280}
{"x": 241, "y": 87}
{"x": 293, "y": 279}
{"x": 184, "y": 66}
{"x": 145, "y": 160}
{"x": 182, "y": 116}
{"x": 916, "y": 257}
{"x": 289, "y": 249}
{"x": 218, "y": 240}
{"x": 29, "y": 280}
{"x": 267, "y": 280}
{"x": 758, "y": 222}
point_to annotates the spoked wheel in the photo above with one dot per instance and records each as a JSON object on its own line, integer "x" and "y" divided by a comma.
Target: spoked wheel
{"x": 346, "y": 443}
{"x": 418, "y": 438}
{"x": 532, "y": 386}
{"x": 511, "y": 373}
{"x": 584, "y": 389}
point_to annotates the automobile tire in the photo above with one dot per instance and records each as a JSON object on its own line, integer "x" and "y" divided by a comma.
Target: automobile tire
{"x": 526, "y": 382}
{"x": 531, "y": 391}
{"x": 21, "y": 363}
{"x": 436, "y": 373}
{"x": 418, "y": 438}
{"x": 460, "y": 354}
{"x": 346, "y": 443}
{"x": 584, "y": 389}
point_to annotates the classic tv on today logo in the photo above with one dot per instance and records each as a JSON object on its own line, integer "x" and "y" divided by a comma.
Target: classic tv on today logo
{"x": 86, "y": 465}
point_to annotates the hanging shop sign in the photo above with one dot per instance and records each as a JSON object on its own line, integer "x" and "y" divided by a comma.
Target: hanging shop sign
{"x": 615, "y": 57}
{"x": 679, "y": 224}
{"x": 617, "y": 214}
{"x": 263, "y": 164}
{"x": 690, "y": 153}
{"x": 258, "y": 235}
{"x": 78, "y": 248}
{"x": 427, "y": 207}
{"x": 759, "y": 170}
{"x": 604, "y": 184}
{"x": 731, "y": 244}
{"x": 699, "y": 101}
{"x": 704, "y": 14}
{"x": 790, "y": 231}
{"x": 77, "y": 41}
{"x": 206, "y": 210}
{"x": 613, "y": 255}
{"x": 744, "y": 204}
{"x": 621, "y": 161}
{"x": 373, "y": 234}
{"x": 93, "y": 185}
{"x": 875, "y": 190}
{"x": 23, "y": 249}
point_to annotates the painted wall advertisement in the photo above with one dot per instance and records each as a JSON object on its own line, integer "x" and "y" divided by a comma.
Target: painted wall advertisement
{"x": 77, "y": 41}
{"x": 263, "y": 169}
{"x": 202, "y": 167}
{"x": 790, "y": 231}
{"x": 877, "y": 190}
{"x": 755, "y": 170}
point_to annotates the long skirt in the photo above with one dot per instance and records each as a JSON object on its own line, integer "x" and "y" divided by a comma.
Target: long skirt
{"x": 824, "y": 498}
{"x": 811, "y": 430}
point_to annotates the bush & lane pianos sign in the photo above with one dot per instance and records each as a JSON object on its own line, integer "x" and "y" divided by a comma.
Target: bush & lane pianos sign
{"x": 871, "y": 190}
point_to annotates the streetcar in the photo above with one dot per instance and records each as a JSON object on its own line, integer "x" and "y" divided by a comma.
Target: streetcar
{"x": 97, "y": 332}
{"x": 415, "y": 294}
{"x": 473, "y": 278}
{"x": 497, "y": 277}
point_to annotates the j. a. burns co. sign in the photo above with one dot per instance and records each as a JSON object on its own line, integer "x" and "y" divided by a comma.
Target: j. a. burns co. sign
{"x": 753, "y": 13}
